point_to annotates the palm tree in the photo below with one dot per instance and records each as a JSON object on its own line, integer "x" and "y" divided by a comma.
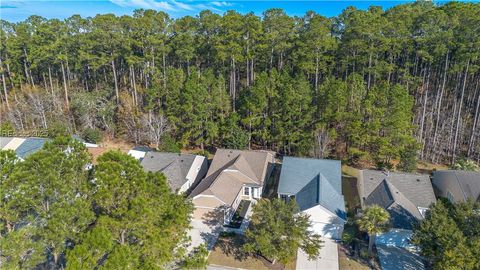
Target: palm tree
{"x": 374, "y": 220}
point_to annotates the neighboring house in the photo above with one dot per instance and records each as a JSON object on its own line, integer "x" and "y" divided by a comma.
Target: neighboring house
{"x": 316, "y": 186}
{"x": 138, "y": 152}
{"x": 233, "y": 176}
{"x": 457, "y": 186}
{"x": 183, "y": 171}
{"x": 87, "y": 144}
{"x": 23, "y": 147}
{"x": 406, "y": 197}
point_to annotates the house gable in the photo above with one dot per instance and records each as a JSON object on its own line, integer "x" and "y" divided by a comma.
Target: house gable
{"x": 313, "y": 182}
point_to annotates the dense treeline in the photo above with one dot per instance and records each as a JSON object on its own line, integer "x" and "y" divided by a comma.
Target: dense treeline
{"x": 365, "y": 86}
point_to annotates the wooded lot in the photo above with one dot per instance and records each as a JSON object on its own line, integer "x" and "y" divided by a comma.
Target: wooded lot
{"x": 366, "y": 86}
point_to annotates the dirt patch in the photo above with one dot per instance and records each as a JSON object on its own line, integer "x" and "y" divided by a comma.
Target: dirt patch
{"x": 425, "y": 167}
{"x": 107, "y": 145}
{"x": 116, "y": 144}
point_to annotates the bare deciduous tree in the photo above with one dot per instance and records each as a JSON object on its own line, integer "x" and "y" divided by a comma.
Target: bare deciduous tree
{"x": 155, "y": 126}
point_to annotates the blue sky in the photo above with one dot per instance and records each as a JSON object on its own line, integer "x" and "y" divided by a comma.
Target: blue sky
{"x": 17, "y": 10}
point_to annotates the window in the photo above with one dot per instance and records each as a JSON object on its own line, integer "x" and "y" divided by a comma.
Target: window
{"x": 450, "y": 197}
{"x": 255, "y": 192}
{"x": 246, "y": 191}
{"x": 287, "y": 198}
{"x": 422, "y": 211}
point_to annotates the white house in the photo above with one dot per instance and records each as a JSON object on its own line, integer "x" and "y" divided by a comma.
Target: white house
{"x": 316, "y": 185}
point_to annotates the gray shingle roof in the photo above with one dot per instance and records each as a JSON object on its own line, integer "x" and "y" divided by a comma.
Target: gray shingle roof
{"x": 4, "y": 141}
{"x": 30, "y": 146}
{"x": 175, "y": 166}
{"x": 313, "y": 182}
{"x": 231, "y": 170}
{"x": 403, "y": 213}
{"x": 468, "y": 181}
{"x": 399, "y": 193}
{"x": 417, "y": 188}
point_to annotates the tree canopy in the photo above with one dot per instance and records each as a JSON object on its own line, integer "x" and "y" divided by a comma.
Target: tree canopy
{"x": 449, "y": 236}
{"x": 59, "y": 212}
{"x": 276, "y": 231}
{"x": 374, "y": 220}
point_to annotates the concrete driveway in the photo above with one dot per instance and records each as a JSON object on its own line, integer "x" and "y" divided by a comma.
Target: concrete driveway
{"x": 203, "y": 231}
{"x": 328, "y": 259}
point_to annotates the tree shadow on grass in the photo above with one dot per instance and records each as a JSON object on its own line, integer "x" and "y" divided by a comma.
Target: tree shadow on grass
{"x": 232, "y": 246}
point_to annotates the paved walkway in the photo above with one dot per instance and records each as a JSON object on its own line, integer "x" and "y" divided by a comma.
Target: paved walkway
{"x": 328, "y": 259}
{"x": 221, "y": 267}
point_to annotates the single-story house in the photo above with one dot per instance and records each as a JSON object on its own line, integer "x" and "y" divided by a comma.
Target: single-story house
{"x": 457, "y": 186}
{"x": 316, "y": 186}
{"x": 183, "y": 171}
{"x": 23, "y": 147}
{"x": 233, "y": 176}
{"x": 407, "y": 197}
{"x": 87, "y": 144}
{"x": 139, "y": 152}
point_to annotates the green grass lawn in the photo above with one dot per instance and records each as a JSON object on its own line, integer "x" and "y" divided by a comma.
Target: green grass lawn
{"x": 228, "y": 252}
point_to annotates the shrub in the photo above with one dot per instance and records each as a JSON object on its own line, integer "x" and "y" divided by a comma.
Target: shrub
{"x": 466, "y": 165}
{"x": 6, "y": 129}
{"x": 58, "y": 129}
{"x": 348, "y": 235}
{"x": 364, "y": 253}
{"x": 92, "y": 135}
{"x": 227, "y": 234}
{"x": 197, "y": 259}
{"x": 169, "y": 144}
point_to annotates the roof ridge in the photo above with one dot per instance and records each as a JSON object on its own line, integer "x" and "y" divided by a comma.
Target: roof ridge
{"x": 326, "y": 188}
{"x": 241, "y": 158}
{"x": 388, "y": 191}
{"x": 169, "y": 165}
{"x": 215, "y": 175}
{"x": 313, "y": 159}
{"x": 399, "y": 197}
{"x": 322, "y": 179}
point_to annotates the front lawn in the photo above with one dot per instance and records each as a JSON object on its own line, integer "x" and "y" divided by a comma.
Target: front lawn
{"x": 228, "y": 252}
{"x": 346, "y": 263}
